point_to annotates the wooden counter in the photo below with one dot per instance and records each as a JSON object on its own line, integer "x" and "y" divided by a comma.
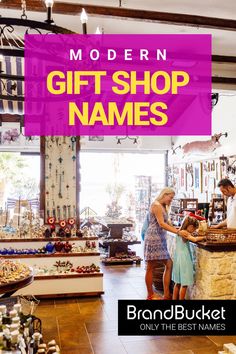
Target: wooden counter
{"x": 215, "y": 269}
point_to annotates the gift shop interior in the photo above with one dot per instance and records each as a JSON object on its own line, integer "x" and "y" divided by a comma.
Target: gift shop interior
{"x": 72, "y": 208}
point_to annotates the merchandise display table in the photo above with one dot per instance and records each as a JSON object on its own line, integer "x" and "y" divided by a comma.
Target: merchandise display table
{"x": 116, "y": 229}
{"x": 118, "y": 252}
{"x": 9, "y": 289}
{"x": 118, "y": 246}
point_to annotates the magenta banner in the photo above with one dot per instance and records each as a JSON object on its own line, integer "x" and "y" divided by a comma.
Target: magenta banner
{"x": 117, "y": 85}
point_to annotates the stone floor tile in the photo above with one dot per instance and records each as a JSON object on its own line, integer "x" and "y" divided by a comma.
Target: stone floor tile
{"x": 106, "y": 343}
{"x": 101, "y": 326}
{"x": 73, "y": 337}
{"x": 220, "y": 340}
{"x": 196, "y": 342}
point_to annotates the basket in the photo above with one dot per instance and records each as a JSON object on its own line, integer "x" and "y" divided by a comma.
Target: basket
{"x": 223, "y": 236}
{"x": 28, "y": 304}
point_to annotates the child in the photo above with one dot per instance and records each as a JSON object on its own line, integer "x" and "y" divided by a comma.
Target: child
{"x": 145, "y": 225}
{"x": 182, "y": 273}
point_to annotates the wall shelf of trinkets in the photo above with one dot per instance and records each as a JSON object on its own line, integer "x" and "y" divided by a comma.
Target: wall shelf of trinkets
{"x": 178, "y": 206}
{"x": 218, "y": 210}
{"x": 74, "y": 273}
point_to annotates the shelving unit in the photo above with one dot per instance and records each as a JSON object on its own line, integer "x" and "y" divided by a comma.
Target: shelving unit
{"x": 56, "y": 285}
{"x": 178, "y": 206}
{"x": 218, "y": 210}
{"x": 119, "y": 247}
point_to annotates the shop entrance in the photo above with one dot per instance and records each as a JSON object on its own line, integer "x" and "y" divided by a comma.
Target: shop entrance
{"x": 120, "y": 185}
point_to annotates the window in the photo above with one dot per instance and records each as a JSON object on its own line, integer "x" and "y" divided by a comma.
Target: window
{"x": 19, "y": 185}
{"x": 120, "y": 184}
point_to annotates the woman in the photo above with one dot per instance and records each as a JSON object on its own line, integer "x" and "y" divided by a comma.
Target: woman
{"x": 155, "y": 246}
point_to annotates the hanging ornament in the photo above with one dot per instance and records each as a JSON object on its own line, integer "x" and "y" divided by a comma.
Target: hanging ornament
{"x": 58, "y": 213}
{"x": 71, "y": 221}
{"x": 67, "y": 191}
{"x": 62, "y": 223}
{"x": 51, "y": 220}
{"x": 64, "y": 211}
{"x": 60, "y": 188}
{"x": 50, "y": 169}
{"x": 73, "y": 140}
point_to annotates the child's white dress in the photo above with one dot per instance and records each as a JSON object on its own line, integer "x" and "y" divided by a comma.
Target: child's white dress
{"x": 183, "y": 271}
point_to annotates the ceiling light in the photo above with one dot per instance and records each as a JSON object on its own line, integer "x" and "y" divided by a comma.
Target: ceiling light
{"x": 98, "y": 31}
{"x": 84, "y": 20}
{"x": 49, "y": 5}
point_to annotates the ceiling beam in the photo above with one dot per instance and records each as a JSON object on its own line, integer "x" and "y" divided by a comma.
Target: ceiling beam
{"x": 12, "y": 77}
{"x": 223, "y": 59}
{"x": 127, "y": 14}
{"x": 10, "y": 118}
{"x": 215, "y": 58}
{"x": 224, "y": 80}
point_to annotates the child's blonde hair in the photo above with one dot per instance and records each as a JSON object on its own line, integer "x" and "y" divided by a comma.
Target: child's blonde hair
{"x": 187, "y": 221}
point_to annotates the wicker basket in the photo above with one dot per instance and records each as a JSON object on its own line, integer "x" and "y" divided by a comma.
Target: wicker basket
{"x": 224, "y": 236}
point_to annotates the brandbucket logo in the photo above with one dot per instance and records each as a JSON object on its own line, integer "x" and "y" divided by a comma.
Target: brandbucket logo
{"x": 117, "y": 85}
{"x": 200, "y": 317}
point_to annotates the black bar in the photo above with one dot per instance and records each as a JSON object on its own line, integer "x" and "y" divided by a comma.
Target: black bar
{"x": 193, "y": 317}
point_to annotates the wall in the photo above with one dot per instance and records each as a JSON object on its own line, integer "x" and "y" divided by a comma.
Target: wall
{"x": 109, "y": 143}
{"x": 151, "y": 143}
{"x": 223, "y": 120}
{"x": 195, "y": 175}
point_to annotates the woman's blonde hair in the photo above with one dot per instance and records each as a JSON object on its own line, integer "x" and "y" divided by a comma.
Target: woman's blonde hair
{"x": 164, "y": 191}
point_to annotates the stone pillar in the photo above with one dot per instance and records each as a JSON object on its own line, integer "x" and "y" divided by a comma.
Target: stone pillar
{"x": 215, "y": 276}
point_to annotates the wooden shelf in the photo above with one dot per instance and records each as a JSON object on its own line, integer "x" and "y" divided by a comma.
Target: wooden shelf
{"x": 57, "y": 285}
{"x": 217, "y": 246}
{"x": 68, "y": 276}
{"x": 48, "y": 239}
{"x": 51, "y": 255}
{"x": 120, "y": 261}
{"x": 68, "y": 295}
{"x": 108, "y": 243}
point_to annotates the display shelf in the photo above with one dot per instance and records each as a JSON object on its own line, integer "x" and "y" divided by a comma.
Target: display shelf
{"x": 68, "y": 276}
{"x": 107, "y": 243}
{"x": 65, "y": 285}
{"x": 117, "y": 247}
{"x": 218, "y": 210}
{"x": 178, "y": 206}
{"x": 116, "y": 229}
{"x": 51, "y": 255}
{"x": 64, "y": 239}
{"x": 117, "y": 261}
{"x": 58, "y": 284}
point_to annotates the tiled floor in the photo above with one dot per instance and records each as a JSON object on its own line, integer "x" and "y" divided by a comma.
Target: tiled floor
{"x": 89, "y": 325}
